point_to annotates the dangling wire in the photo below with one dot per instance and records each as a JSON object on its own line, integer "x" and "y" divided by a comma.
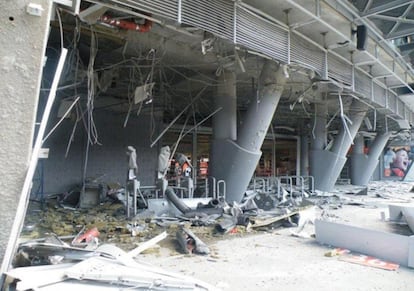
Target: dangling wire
{"x": 130, "y": 95}
{"x": 91, "y": 128}
{"x": 61, "y": 27}
{"x": 151, "y": 54}
{"x": 92, "y": 131}
{"x": 148, "y": 82}
{"x": 79, "y": 115}
{"x": 314, "y": 125}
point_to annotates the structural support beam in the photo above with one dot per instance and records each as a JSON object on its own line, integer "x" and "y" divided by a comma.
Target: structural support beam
{"x": 24, "y": 38}
{"x": 304, "y": 155}
{"x": 390, "y": 5}
{"x": 363, "y": 165}
{"x": 319, "y": 132}
{"x": 235, "y": 161}
{"x": 225, "y": 121}
{"x": 400, "y": 33}
{"x": 326, "y": 165}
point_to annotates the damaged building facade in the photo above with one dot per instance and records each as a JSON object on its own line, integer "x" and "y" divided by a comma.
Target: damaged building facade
{"x": 209, "y": 98}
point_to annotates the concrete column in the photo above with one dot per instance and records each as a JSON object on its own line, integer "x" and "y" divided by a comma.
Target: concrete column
{"x": 235, "y": 162}
{"x": 326, "y": 166}
{"x": 318, "y": 136}
{"x": 22, "y": 52}
{"x": 260, "y": 113}
{"x": 319, "y": 133}
{"x": 362, "y": 165}
{"x": 225, "y": 121}
{"x": 359, "y": 145}
{"x": 343, "y": 141}
{"x": 304, "y": 155}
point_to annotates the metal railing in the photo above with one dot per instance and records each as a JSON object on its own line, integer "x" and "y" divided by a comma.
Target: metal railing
{"x": 274, "y": 185}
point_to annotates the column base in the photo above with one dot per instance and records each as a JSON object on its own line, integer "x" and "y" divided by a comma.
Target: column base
{"x": 325, "y": 168}
{"x": 362, "y": 169}
{"x": 235, "y": 165}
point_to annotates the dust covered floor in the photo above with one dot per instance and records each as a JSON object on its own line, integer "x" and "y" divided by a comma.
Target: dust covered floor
{"x": 276, "y": 260}
{"x": 268, "y": 258}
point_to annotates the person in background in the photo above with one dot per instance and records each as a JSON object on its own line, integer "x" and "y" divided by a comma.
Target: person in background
{"x": 400, "y": 163}
{"x": 388, "y": 160}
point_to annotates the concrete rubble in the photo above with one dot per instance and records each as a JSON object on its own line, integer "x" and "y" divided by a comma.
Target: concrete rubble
{"x": 70, "y": 241}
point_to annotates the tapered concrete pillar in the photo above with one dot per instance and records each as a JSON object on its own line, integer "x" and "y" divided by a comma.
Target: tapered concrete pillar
{"x": 363, "y": 165}
{"x": 225, "y": 120}
{"x": 326, "y": 165}
{"x": 236, "y": 161}
{"x": 304, "y": 155}
{"x": 24, "y": 38}
{"x": 319, "y": 132}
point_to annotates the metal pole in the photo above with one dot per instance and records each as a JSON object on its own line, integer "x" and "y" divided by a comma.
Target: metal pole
{"x": 194, "y": 158}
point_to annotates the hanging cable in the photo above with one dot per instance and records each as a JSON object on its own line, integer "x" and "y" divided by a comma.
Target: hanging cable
{"x": 332, "y": 118}
{"x": 130, "y": 97}
{"x": 314, "y": 125}
{"x": 61, "y": 27}
{"x": 92, "y": 131}
{"x": 61, "y": 119}
{"x": 92, "y": 137}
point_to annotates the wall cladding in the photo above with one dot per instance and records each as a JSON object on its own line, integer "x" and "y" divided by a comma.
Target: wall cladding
{"x": 108, "y": 160}
{"x": 23, "y": 44}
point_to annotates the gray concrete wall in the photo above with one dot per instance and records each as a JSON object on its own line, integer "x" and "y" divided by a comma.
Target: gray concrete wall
{"x": 108, "y": 161}
{"x": 22, "y": 48}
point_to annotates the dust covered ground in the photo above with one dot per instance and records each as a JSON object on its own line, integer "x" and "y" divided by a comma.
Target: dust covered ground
{"x": 276, "y": 260}
{"x": 266, "y": 258}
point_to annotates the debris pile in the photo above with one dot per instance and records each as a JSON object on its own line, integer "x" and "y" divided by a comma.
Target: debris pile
{"x": 105, "y": 235}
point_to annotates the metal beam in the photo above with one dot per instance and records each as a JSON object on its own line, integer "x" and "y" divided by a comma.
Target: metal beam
{"x": 401, "y": 33}
{"x": 392, "y": 18}
{"x": 386, "y": 7}
{"x": 396, "y": 25}
{"x": 74, "y": 5}
{"x": 387, "y": 46}
{"x": 367, "y": 6}
{"x": 355, "y": 15}
{"x": 406, "y": 47}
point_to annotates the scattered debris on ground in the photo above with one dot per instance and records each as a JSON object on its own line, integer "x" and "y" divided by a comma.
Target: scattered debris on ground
{"x": 60, "y": 235}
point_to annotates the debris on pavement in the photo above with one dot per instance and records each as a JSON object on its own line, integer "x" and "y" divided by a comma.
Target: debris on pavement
{"x": 368, "y": 261}
{"x": 148, "y": 244}
{"x": 347, "y": 256}
{"x": 108, "y": 264}
{"x": 401, "y": 214}
{"x": 383, "y": 245}
{"x": 85, "y": 237}
{"x": 190, "y": 243}
{"x": 336, "y": 252}
{"x": 66, "y": 236}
